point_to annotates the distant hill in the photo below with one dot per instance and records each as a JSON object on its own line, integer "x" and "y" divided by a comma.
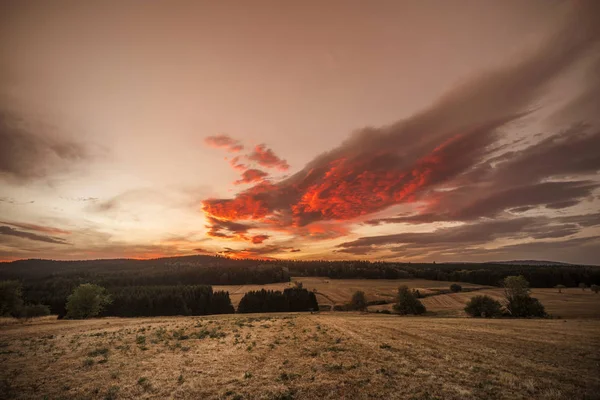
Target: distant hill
{"x": 530, "y": 262}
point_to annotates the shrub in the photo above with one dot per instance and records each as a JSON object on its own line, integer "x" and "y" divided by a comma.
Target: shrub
{"x": 359, "y": 301}
{"x": 518, "y": 302}
{"x": 582, "y": 285}
{"x": 455, "y": 287}
{"x": 86, "y": 301}
{"x": 407, "y": 302}
{"x": 526, "y": 306}
{"x": 560, "y": 288}
{"x": 595, "y": 288}
{"x": 483, "y": 306}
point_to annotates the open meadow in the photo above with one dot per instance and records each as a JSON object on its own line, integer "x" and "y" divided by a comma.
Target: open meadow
{"x": 300, "y": 356}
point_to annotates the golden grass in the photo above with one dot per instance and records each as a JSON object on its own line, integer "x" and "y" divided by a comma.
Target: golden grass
{"x": 339, "y": 291}
{"x": 301, "y": 356}
{"x": 571, "y": 303}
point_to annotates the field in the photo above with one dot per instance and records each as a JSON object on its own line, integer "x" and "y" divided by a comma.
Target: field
{"x": 571, "y": 303}
{"x": 339, "y": 291}
{"x": 301, "y": 356}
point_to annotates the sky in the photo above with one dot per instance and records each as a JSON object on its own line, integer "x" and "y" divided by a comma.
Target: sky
{"x": 409, "y": 131}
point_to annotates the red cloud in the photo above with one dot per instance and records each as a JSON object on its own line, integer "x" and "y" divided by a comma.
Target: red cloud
{"x": 224, "y": 142}
{"x": 250, "y": 176}
{"x": 235, "y": 164}
{"x": 344, "y": 186}
{"x": 259, "y": 238}
{"x": 267, "y": 158}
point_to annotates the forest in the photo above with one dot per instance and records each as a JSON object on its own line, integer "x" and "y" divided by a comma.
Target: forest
{"x": 146, "y": 285}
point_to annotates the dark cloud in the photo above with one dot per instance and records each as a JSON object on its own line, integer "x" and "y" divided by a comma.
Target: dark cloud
{"x": 520, "y": 182}
{"x": 468, "y": 238}
{"x": 6, "y": 230}
{"x": 38, "y": 228}
{"x": 30, "y": 151}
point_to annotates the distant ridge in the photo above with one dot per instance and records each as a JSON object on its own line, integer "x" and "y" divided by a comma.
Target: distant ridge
{"x": 529, "y": 262}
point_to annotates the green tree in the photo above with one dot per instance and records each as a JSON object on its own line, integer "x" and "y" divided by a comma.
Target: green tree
{"x": 11, "y": 300}
{"x": 483, "y": 306}
{"x": 86, "y": 301}
{"x": 518, "y": 302}
{"x": 455, "y": 287}
{"x": 560, "y": 288}
{"x": 407, "y": 302}
{"x": 359, "y": 301}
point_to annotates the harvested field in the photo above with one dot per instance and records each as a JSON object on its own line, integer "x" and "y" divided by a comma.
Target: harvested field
{"x": 339, "y": 291}
{"x": 300, "y": 356}
{"x": 571, "y": 303}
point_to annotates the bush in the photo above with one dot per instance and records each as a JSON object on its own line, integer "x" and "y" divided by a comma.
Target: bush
{"x": 525, "y": 307}
{"x": 595, "y": 288}
{"x": 483, "y": 306}
{"x": 407, "y": 302}
{"x": 560, "y": 288}
{"x": 86, "y": 301}
{"x": 455, "y": 287}
{"x": 359, "y": 301}
{"x": 519, "y": 303}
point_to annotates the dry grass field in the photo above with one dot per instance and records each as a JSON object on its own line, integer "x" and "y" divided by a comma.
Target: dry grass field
{"x": 571, "y": 303}
{"x": 339, "y": 291}
{"x": 300, "y": 356}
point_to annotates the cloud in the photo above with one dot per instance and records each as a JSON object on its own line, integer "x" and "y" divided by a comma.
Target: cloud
{"x": 6, "y": 230}
{"x": 400, "y": 163}
{"x": 453, "y": 159}
{"x": 224, "y": 142}
{"x": 255, "y": 252}
{"x": 235, "y": 164}
{"x": 39, "y": 228}
{"x": 267, "y": 158}
{"x": 31, "y": 151}
{"x": 257, "y": 239}
{"x": 251, "y": 176}
{"x": 463, "y": 238}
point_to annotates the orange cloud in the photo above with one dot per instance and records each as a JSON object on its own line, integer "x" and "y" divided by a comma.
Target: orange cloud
{"x": 267, "y": 158}
{"x": 250, "y": 176}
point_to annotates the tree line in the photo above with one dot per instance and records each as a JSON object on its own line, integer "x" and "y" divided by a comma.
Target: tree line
{"x": 46, "y": 275}
{"x": 290, "y": 300}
